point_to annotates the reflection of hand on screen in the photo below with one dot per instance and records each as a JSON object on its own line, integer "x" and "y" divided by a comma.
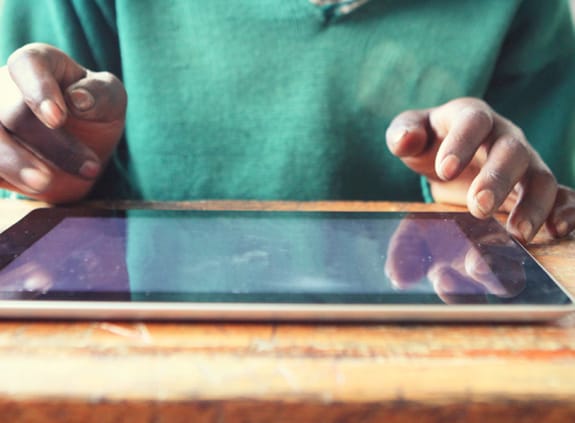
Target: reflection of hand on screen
{"x": 78, "y": 254}
{"x": 24, "y": 281}
{"x": 459, "y": 270}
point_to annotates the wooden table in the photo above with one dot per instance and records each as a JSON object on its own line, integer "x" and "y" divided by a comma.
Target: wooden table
{"x": 214, "y": 372}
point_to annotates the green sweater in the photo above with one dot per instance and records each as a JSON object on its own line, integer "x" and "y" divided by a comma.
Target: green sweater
{"x": 262, "y": 99}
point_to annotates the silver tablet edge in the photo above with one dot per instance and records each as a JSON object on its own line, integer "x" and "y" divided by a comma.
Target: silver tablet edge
{"x": 89, "y": 310}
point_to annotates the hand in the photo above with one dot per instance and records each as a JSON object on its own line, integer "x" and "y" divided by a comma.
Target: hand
{"x": 473, "y": 156}
{"x": 460, "y": 271}
{"x": 59, "y": 123}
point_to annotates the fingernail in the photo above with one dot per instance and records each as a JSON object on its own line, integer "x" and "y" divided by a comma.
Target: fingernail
{"x": 52, "y": 114}
{"x": 397, "y": 135}
{"x": 485, "y": 201}
{"x": 82, "y": 99}
{"x": 561, "y": 228}
{"x": 525, "y": 229}
{"x": 35, "y": 180}
{"x": 449, "y": 167}
{"x": 90, "y": 169}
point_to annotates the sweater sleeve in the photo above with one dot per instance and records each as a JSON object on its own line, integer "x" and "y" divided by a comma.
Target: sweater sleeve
{"x": 533, "y": 83}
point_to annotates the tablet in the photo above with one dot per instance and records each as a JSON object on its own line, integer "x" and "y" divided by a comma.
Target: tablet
{"x": 271, "y": 266}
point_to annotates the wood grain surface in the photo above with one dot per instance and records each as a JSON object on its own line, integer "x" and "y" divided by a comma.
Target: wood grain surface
{"x": 215, "y": 372}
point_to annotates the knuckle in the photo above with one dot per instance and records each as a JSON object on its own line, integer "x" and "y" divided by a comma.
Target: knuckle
{"x": 566, "y": 196}
{"x": 106, "y": 78}
{"x": 459, "y": 139}
{"x": 516, "y": 147}
{"x": 508, "y": 127}
{"x": 497, "y": 177}
{"x": 478, "y": 116}
{"x": 110, "y": 84}
{"x": 544, "y": 176}
{"x": 26, "y": 54}
{"x": 513, "y": 151}
{"x": 518, "y": 134}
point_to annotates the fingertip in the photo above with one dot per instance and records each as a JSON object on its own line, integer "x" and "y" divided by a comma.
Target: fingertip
{"x": 522, "y": 230}
{"x": 525, "y": 228}
{"x": 90, "y": 169}
{"x": 82, "y": 100}
{"x": 561, "y": 228}
{"x": 558, "y": 228}
{"x": 406, "y": 141}
{"x": 394, "y": 135}
{"x": 482, "y": 204}
{"x": 449, "y": 167}
{"x": 52, "y": 115}
{"x": 35, "y": 180}
{"x": 100, "y": 96}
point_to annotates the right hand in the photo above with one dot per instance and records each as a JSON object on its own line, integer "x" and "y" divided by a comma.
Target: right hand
{"x": 59, "y": 123}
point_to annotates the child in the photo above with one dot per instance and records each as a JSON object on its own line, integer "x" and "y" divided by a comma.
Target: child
{"x": 294, "y": 100}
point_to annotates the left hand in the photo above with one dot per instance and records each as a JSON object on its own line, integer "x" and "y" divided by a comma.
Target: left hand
{"x": 473, "y": 156}
{"x": 59, "y": 124}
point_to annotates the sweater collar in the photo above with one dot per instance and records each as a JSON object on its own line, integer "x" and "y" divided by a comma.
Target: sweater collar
{"x": 336, "y": 8}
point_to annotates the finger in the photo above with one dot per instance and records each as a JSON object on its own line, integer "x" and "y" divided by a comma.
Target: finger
{"x": 497, "y": 269}
{"x": 100, "y": 96}
{"x": 468, "y": 123}
{"x": 411, "y": 137}
{"x": 506, "y": 163}
{"x": 39, "y": 71}
{"x": 20, "y": 168}
{"x": 407, "y": 135}
{"x": 54, "y": 145}
{"x": 454, "y": 288}
{"x": 561, "y": 220}
{"x": 404, "y": 265}
{"x": 493, "y": 261}
{"x": 538, "y": 190}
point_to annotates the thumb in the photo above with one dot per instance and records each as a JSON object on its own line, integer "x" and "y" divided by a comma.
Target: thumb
{"x": 100, "y": 96}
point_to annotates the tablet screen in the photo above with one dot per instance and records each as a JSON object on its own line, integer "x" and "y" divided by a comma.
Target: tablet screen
{"x": 270, "y": 257}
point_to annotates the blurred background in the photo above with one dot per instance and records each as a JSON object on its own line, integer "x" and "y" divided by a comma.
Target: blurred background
{"x": 572, "y": 2}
